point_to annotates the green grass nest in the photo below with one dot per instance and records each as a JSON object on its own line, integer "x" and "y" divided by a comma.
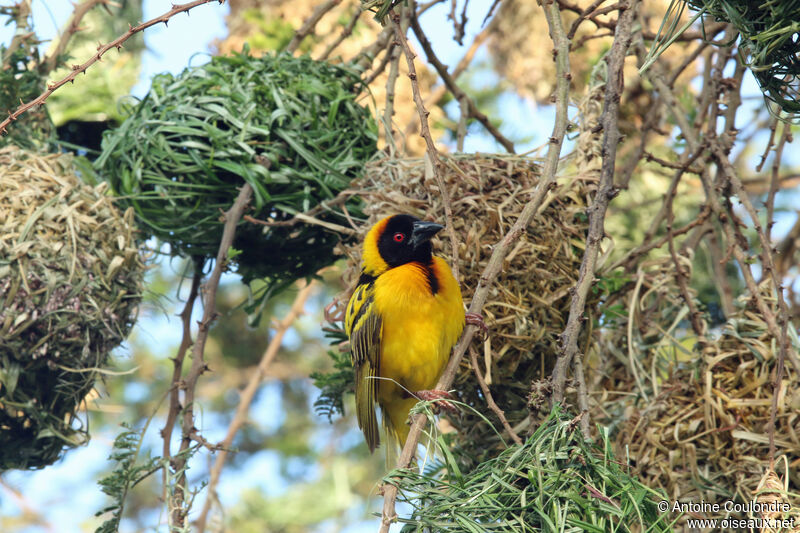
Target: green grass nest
{"x": 769, "y": 37}
{"x": 70, "y": 283}
{"x": 290, "y": 127}
{"x": 555, "y": 481}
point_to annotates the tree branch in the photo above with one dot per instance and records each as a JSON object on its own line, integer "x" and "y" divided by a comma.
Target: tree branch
{"x": 597, "y": 211}
{"x": 247, "y": 395}
{"x": 310, "y": 23}
{"x": 198, "y": 367}
{"x": 425, "y": 132}
{"x": 101, "y": 50}
{"x": 500, "y": 249}
{"x": 177, "y": 368}
{"x": 73, "y": 27}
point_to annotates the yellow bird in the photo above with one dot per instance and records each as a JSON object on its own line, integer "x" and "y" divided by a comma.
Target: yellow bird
{"x": 403, "y": 319}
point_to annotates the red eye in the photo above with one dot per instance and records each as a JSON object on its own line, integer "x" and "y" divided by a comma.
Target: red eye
{"x": 399, "y": 237}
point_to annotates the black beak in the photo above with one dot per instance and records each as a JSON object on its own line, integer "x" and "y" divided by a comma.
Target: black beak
{"x": 423, "y": 232}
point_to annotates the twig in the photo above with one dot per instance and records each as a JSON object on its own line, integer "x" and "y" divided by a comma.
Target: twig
{"x": 377, "y": 71}
{"x": 682, "y": 277}
{"x": 774, "y": 183}
{"x": 345, "y": 33}
{"x": 246, "y": 398}
{"x": 73, "y": 27}
{"x": 393, "y": 55}
{"x": 309, "y": 24}
{"x": 425, "y": 132}
{"x": 302, "y": 217}
{"x": 440, "y": 90}
{"x": 177, "y": 369}
{"x": 500, "y": 249}
{"x": 101, "y": 50}
{"x": 582, "y": 16}
{"x": 597, "y": 211}
{"x": 473, "y": 357}
{"x": 455, "y": 89}
{"x": 21, "y": 11}
{"x": 461, "y": 131}
{"x": 198, "y": 367}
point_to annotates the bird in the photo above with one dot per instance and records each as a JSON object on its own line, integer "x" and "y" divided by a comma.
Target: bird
{"x": 403, "y": 318}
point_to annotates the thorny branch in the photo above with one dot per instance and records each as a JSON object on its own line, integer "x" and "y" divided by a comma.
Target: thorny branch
{"x": 431, "y": 152}
{"x": 246, "y": 398}
{"x": 177, "y": 370}
{"x": 597, "y": 211}
{"x": 101, "y": 50}
{"x": 198, "y": 367}
{"x": 501, "y": 249}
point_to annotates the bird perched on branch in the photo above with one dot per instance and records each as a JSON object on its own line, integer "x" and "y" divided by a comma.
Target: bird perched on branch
{"x": 403, "y": 319}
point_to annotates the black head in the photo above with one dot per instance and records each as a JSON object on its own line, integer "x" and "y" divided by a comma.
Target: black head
{"x": 406, "y": 239}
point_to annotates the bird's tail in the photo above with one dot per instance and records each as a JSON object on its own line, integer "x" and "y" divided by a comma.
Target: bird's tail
{"x": 395, "y": 421}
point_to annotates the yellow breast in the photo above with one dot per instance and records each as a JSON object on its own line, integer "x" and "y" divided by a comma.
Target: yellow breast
{"x": 419, "y": 327}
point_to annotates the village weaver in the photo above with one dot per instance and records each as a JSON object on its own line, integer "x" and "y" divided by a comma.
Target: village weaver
{"x": 403, "y": 319}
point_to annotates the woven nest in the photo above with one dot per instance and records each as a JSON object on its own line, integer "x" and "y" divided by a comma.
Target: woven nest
{"x": 701, "y": 431}
{"x": 528, "y": 304}
{"x": 70, "y": 283}
{"x": 768, "y": 33}
{"x": 290, "y": 127}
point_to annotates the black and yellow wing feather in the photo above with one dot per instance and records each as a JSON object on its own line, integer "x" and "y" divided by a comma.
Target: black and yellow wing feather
{"x": 363, "y": 325}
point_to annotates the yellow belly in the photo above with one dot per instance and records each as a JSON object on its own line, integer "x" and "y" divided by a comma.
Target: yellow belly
{"x": 418, "y": 333}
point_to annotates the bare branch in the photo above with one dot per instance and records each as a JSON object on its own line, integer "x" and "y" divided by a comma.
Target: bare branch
{"x": 455, "y": 89}
{"x": 310, "y": 23}
{"x": 501, "y": 248}
{"x": 345, "y": 33}
{"x": 425, "y": 132}
{"x": 246, "y": 398}
{"x": 473, "y": 358}
{"x": 597, "y": 211}
{"x": 177, "y": 368}
{"x": 73, "y": 27}
{"x": 232, "y": 217}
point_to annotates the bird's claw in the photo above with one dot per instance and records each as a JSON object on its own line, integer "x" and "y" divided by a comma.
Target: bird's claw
{"x": 439, "y": 399}
{"x": 476, "y": 320}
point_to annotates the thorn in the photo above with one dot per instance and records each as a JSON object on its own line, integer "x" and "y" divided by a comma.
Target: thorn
{"x": 165, "y": 23}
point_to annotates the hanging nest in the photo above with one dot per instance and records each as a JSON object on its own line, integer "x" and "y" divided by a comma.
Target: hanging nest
{"x": 70, "y": 282}
{"x": 528, "y": 304}
{"x": 290, "y": 127}
{"x": 699, "y": 429}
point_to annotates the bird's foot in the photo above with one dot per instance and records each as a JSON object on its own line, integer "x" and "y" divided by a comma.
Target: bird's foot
{"x": 476, "y": 320}
{"x": 439, "y": 399}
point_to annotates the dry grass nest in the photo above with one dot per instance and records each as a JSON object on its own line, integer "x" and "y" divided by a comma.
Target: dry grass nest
{"x": 70, "y": 283}
{"x": 696, "y": 425}
{"x": 528, "y": 304}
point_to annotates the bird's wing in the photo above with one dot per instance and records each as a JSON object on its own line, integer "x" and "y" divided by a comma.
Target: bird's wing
{"x": 363, "y": 324}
